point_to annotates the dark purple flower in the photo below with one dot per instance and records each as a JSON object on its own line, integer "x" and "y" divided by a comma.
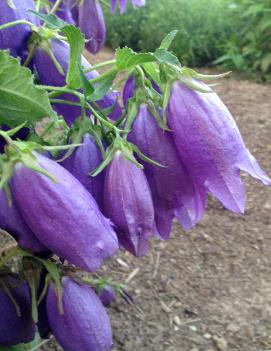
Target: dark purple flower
{"x": 85, "y": 159}
{"x": 128, "y": 90}
{"x": 107, "y": 295}
{"x": 128, "y": 202}
{"x": 85, "y": 325}
{"x": 15, "y": 38}
{"x": 88, "y": 15}
{"x": 12, "y": 222}
{"x": 63, "y": 214}
{"x": 49, "y": 75}
{"x": 15, "y": 328}
{"x": 173, "y": 190}
{"x": 123, "y": 3}
{"x": 210, "y": 144}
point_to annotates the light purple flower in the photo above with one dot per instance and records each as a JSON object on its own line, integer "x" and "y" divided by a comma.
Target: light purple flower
{"x": 172, "y": 188}
{"x": 85, "y": 325}
{"x": 123, "y": 3}
{"x": 88, "y": 15}
{"x": 85, "y": 159}
{"x": 128, "y": 202}
{"x": 210, "y": 144}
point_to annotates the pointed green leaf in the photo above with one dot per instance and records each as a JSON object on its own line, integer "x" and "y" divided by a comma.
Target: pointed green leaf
{"x": 164, "y": 56}
{"x": 126, "y": 58}
{"x": 20, "y": 100}
{"x": 167, "y": 41}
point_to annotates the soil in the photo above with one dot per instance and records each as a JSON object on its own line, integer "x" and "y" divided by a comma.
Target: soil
{"x": 209, "y": 289}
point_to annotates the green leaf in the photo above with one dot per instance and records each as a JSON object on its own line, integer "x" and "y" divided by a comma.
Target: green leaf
{"x": 76, "y": 41}
{"x": 164, "y": 56}
{"x": 51, "y": 21}
{"x": 152, "y": 71}
{"x": 167, "y": 41}
{"x": 13, "y": 348}
{"x": 85, "y": 84}
{"x": 20, "y": 99}
{"x": 102, "y": 87}
{"x": 127, "y": 58}
{"x": 266, "y": 62}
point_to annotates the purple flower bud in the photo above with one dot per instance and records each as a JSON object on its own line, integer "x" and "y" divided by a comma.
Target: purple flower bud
{"x": 12, "y": 222}
{"x": 123, "y": 3}
{"x": 210, "y": 144}
{"x": 128, "y": 90}
{"x": 85, "y": 325}
{"x": 15, "y": 326}
{"x": 173, "y": 190}
{"x": 107, "y": 295}
{"x": 49, "y": 75}
{"x": 89, "y": 17}
{"x": 82, "y": 162}
{"x": 63, "y": 214}
{"x": 128, "y": 202}
{"x": 15, "y": 38}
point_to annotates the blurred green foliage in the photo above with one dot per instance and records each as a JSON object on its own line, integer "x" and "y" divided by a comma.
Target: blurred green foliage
{"x": 235, "y": 34}
{"x": 249, "y": 48}
{"x": 202, "y": 24}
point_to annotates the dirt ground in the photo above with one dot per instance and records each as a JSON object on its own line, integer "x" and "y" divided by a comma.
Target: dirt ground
{"x": 210, "y": 289}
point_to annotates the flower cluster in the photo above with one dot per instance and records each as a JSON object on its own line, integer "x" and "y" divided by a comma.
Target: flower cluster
{"x": 85, "y": 173}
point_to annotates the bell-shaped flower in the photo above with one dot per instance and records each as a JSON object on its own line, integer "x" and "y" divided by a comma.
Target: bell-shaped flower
{"x": 72, "y": 225}
{"x": 49, "y": 75}
{"x": 84, "y": 160}
{"x": 173, "y": 190}
{"x": 128, "y": 203}
{"x": 84, "y": 325}
{"x": 15, "y": 38}
{"x": 16, "y": 323}
{"x": 210, "y": 144}
{"x": 88, "y": 15}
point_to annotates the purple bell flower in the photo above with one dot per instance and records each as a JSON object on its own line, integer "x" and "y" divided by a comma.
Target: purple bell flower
{"x": 210, "y": 144}
{"x": 88, "y": 15}
{"x": 85, "y": 325}
{"x": 72, "y": 225}
{"x": 14, "y": 328}
{"x": 128, "y": 90}
{"x": 128, "y": 202}
{"x": 85, "y": 159}
{"x": 15, "y": 38}
{"x": 173, "y": 191}
{"x": 49, "y": 75}
{"x": 64, "y": 11}
{"x": 123, "y": 3}
{"x": 12, "y": 222}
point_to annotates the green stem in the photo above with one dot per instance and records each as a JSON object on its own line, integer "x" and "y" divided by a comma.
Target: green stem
{"x": 62, "y": 90}
{"x": 102, "y": 120}
{"x": 55, "y": 7}
{"x": 100, "y": 65}
{"x": 14, "y": 23}
{"x": 65, "y": 102}
{"x": 102, "y": 76}
{"x": 38, "y": 5}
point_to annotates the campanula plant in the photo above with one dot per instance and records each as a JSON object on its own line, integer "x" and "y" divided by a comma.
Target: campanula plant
{"x": 84, "y": 174}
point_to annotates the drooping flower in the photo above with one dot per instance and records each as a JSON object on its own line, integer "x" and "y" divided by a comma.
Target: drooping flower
{"x": 49, "y": 75}
{"x": 63, "y": 214}
{"x": 15, "y": 38}
{"x": 84, "y": 325}
{"x": 210, "y": 144}
{"x": 128, "y": 202}
{"x": 16, "y": 326}
{"x": 85, "y": 159}
{"x": 88, "y": 15}
{"x": 12, "y": 222}
{"x": 123, "y": 3}
{"x": 173, "y": 190}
